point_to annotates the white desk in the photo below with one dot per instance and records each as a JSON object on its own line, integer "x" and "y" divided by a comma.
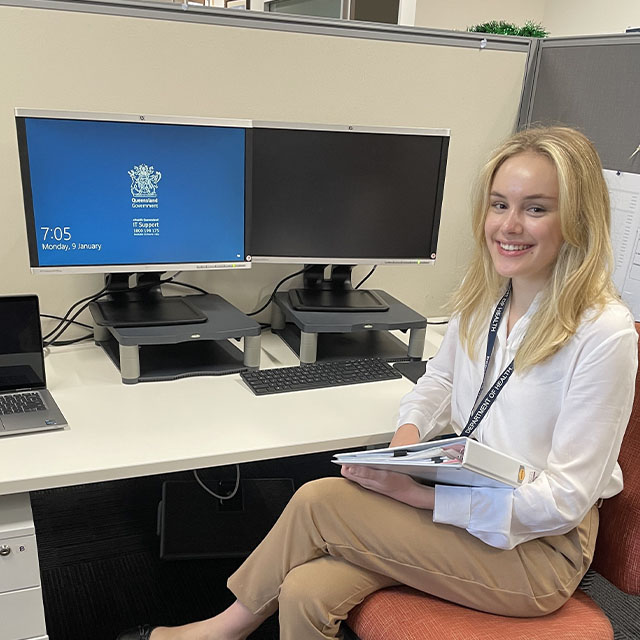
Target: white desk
{"x": 121, "y": 431}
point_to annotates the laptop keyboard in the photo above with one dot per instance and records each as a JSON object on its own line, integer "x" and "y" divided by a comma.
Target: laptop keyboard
{"x": 21, "y": 402}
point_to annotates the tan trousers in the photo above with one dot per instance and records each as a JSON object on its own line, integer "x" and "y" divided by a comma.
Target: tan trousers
{"x": 335, "y": 543}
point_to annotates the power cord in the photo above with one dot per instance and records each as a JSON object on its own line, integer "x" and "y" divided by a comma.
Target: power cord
{"x": 437, "y": 322}
{"x": 67, "y": 321}
{"x": 275, "y": 290}
{"x": 189, "y": 286}
{"x": 53, "y": 317}
{"x": 366, "y": 277}
{"x": 55, "y": 334}
{"x": 63, "y": 343}
{"x": 213, "y": 493}
{"x": 293, "y": 275}
{"x": 51, "y": 338}
{"x": 64, "y": 321}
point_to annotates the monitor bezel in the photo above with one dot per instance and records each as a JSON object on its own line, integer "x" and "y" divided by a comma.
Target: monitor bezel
{"x": 20, "y": 113}
{"x": 354, "y": 128}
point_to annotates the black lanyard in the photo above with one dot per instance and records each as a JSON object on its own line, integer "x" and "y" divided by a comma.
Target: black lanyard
{"x": 482, "y": 407}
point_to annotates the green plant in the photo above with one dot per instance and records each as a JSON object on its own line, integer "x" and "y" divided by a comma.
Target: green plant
{"x": 529, "y": 29}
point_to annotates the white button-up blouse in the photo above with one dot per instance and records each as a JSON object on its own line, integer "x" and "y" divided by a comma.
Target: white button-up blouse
{"x": 566, "y": 416}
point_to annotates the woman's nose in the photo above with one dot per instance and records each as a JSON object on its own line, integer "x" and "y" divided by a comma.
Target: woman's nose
{"x": 511, "y": 222}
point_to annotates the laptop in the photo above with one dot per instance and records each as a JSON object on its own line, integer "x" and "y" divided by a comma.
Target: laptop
{"x": 25, "y": 403}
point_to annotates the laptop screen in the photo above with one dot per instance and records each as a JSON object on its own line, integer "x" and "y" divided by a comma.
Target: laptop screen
{"x": 21, "y": 356}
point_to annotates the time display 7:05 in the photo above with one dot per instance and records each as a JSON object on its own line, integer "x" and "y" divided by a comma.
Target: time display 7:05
{"x": 56, "y": 233}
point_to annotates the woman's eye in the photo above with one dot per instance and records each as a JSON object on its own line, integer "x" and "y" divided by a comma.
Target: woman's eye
{"x": 498, "y": 205}
{"x": 537, "y": 210}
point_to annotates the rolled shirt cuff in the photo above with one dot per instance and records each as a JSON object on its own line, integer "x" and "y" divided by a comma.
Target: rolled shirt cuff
{"x": 414, "y": 417}
{"x": 452, "y": 505}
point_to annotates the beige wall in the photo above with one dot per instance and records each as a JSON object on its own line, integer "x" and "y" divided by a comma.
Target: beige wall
{"x": 460, "y": 14}
{"x": 84, "y": 62}
{"x": 590, "y": 17}
{"x": 560, "y": 17}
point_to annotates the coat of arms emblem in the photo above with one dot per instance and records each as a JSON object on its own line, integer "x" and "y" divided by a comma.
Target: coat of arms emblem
{"x": 144, "y": 181}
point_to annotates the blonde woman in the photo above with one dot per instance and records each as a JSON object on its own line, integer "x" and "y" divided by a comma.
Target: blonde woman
{"x": 538, "y": 327}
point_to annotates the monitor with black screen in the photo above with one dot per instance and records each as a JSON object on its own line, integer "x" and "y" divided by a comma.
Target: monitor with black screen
{"x": 133, "y": 195}
{"x": 344, "y": 195}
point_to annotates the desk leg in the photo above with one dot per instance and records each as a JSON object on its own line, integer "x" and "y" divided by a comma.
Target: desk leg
{"x": 130, "y": 363}
{"x": 416, "y": 342}
{"x": 252, "y": 351}
{"x": 21, "y": 607}
{"x": 308, "y": 347}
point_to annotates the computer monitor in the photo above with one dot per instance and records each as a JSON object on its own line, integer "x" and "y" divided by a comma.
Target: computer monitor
{"x": 344, "y": 195}
{"x": 133, "y": 194}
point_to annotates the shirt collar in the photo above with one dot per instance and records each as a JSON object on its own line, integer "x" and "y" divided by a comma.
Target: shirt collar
{"x": 520, "y": 328}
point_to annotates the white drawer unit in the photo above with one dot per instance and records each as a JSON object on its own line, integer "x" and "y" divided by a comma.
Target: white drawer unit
{"x": 22, "y": 615}
{"x": 18, "y": 563}
{"x": 21, "y": 609}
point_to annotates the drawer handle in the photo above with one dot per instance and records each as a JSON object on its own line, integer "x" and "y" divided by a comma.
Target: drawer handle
{"x": 5, "y": 550}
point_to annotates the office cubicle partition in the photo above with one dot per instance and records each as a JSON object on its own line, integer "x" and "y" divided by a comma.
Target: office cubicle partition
{"x": 592, "y": 83}
{"x": 166, "y": 59}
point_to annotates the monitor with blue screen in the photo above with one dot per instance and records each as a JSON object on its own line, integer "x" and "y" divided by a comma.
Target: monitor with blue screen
{"x": 130, "y": 194}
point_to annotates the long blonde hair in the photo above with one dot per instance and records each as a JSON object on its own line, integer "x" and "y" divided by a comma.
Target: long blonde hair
{"x": 581, "y": 277}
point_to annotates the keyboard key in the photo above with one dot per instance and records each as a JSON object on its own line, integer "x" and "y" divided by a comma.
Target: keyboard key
{"x": 20, "y": 402}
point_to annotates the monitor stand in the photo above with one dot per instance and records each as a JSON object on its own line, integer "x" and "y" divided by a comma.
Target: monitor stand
{"x": 327, "y": 335}
{"x": 152, "y": 353}
{"x": 142, "y": 305}
{"x": 335, "y": 293}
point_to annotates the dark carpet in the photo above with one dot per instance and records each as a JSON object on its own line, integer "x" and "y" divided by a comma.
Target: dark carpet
{"x": 623, "y": 610}
{"x": 102, "y": 573}
{"x": 99, "y": 554}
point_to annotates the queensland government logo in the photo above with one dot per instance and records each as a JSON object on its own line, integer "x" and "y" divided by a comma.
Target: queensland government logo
{"x": 144, "y": 186}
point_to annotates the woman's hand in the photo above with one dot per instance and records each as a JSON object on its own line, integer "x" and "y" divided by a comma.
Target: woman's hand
{"x": 398, "y": 486}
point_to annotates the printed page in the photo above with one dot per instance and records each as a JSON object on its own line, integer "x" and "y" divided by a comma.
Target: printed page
{"x": 447, "y": 448}
{"x": 624, "y": 191}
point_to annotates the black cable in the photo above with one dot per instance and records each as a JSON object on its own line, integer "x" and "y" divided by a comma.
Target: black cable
{"x": 54, "y": 317}
{"x": 150, "y": 285}
{"x": 93, "y": 296}
{"x": 190, "y": 286}
{"x": 62, "y": 343}
{"x": 366, "y": 277}
{"x": 438, "y": 322}
{"x": 213, "y": 493}
{"x": 47, "y": 343}
{"x": 273, "y": 293}
{"x": 65, "y": 322}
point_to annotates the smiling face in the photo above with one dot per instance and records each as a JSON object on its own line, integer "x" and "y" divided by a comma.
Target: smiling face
{"x": 522, "y": 227}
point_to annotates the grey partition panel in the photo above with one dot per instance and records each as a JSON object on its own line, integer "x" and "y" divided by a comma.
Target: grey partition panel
{"x": 593, "y": 84}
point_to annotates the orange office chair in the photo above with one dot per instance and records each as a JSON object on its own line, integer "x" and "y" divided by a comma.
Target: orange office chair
{"x": 402, "y": 613}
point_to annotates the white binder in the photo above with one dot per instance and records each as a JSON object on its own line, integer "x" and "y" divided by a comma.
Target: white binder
{"x": 459, "y": 461}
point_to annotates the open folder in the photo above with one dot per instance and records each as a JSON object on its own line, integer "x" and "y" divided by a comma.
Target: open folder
{"x": 460, "y": 461}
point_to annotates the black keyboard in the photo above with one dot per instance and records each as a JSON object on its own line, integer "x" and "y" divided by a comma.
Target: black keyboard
{"x": 20, "y": 402}
{"x": 318, "y": 375}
